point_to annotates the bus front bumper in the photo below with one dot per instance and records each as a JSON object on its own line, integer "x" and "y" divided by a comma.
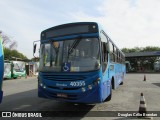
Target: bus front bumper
{"x": 89, "y": 96}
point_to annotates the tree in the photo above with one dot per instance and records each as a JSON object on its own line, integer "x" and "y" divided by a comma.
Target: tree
{"x": 9, "y": 54}
{"x": 9, "y": 47}
{"x": 7, "y": 42}
{"x": 35, "y": 59}
{"x": 149, "y": 48}
{"x": 140, "y": 49}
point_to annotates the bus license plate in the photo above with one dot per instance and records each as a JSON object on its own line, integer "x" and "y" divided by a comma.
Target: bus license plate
{"x": 62, "y": 95}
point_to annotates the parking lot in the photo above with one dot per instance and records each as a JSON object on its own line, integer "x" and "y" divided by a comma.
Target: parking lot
{"x": 21, "y": 95}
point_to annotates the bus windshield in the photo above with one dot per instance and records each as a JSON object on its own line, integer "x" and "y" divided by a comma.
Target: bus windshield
{"x": 19, "y": 66}
{"x": 80, "y": 55}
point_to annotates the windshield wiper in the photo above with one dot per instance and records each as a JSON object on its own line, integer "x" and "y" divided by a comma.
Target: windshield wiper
{"x": 74, "y": 45}
{"x": 56, "y": 51}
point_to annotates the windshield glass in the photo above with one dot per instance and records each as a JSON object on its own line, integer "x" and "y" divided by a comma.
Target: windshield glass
{"x": 7, "y": 68}
{"x": 19, "y": 66}
{"x": 70, "y": 55}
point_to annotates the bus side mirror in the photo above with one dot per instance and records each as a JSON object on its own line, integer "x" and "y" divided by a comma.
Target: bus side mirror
{"x": 34, "y": 48}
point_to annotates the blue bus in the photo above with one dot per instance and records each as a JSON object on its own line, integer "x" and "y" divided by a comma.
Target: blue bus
{"x": 1, "y": 69}
{"x": 79, "y": 63}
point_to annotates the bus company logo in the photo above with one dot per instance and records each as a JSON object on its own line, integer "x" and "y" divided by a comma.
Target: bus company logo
{"x": 6, "y": 114}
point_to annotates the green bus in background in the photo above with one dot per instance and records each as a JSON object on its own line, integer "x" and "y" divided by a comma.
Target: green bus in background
{"x": 18, "y": 69}
{"x": 14, "y": 69}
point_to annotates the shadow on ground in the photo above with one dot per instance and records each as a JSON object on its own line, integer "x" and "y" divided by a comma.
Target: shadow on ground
{"x": 157, "y": 84}
{"x": 29, "y": 101}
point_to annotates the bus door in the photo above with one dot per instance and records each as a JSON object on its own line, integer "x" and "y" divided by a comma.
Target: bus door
{"x": 105, "y": 66}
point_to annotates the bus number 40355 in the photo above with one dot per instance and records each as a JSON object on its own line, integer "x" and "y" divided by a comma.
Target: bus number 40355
{"x": 80, "y": 83}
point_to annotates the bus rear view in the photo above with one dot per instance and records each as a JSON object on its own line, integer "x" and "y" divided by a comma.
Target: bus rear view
{"x": 70, "y": 64}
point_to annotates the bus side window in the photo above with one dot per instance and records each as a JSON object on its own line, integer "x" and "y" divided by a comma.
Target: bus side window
{"x": 104, "y": 39}
{"x": 111, "y": 47}
{"x": 104, "y": 56}
{"x": 106, "y": 52}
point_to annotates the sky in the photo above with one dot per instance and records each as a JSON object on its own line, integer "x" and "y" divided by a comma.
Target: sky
{"x": 129, "y": 23}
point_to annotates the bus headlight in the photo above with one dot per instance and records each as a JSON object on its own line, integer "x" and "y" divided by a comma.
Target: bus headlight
{"x": 41, "y": 84}
{"x": 83, "y": 89}
{"x": 89, "y": 87}
{"x": 44, "y": 86}
{"x": 96, "y": 82}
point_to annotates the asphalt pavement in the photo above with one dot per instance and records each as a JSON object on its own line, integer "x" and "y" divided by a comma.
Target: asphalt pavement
{"x": 21, "y": 95}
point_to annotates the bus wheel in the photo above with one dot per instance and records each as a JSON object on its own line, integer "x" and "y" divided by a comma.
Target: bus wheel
{"x": 122, "y": 79}
{"x": 110, "y": 96}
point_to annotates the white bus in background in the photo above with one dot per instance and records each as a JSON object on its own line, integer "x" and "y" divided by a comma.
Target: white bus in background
{"x": 157, "y": 65}
{"x": 7, "y": 70}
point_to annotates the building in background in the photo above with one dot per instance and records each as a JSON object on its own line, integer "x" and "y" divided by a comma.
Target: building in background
{"x": 32, "y": 68}
{"x": 144, "y": 61}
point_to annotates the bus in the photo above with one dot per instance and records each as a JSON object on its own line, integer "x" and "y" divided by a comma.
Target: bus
{"x": 18, "y": 69}
{"x": 14, "y": 69}
{"x": 78, "y": 63}
{"x": 1, "y": 69}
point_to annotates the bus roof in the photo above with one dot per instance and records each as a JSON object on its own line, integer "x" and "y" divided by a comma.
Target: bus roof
{"x": 70, "y": 29}
{"x": 55, "y": 29}
{"x": 69, "y": 24}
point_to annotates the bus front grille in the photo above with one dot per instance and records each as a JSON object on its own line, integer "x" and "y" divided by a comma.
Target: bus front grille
{"x": 59, "y": 88}
{"x": 63, "y": 77}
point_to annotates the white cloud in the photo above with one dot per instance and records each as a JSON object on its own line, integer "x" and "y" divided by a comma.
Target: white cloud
{"x": 24, "y": 23}
{"x": 129, "y": 24}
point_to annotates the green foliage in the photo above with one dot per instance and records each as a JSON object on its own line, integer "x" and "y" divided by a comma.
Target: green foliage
{"x": 7, "y": 41}
{"x": 35, "y": 59}
{"x": 8, "y": 54}
{"x": 149, "y": 48}
{"x": 140, "y": 49}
